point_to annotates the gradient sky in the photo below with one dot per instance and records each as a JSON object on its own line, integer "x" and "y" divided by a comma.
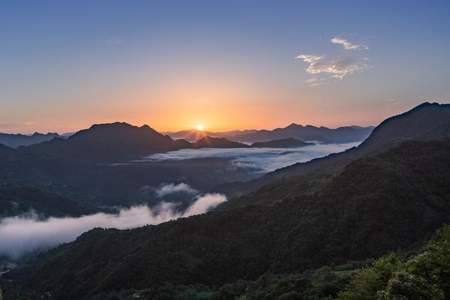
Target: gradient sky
{"x": 65, "y": 65}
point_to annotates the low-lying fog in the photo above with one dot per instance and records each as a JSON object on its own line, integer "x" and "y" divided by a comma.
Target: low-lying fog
{"x": 24, "y": 234}
{"x": 27, "y": 233}
{"x": 261, "y": 160}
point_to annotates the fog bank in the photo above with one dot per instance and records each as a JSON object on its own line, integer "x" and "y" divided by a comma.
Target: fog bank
{"x": 260, "y": 160}
{"x": 24, "y": 234}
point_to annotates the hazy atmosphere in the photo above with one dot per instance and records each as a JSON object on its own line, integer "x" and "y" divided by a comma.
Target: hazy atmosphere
{"x": 224, "y": 150}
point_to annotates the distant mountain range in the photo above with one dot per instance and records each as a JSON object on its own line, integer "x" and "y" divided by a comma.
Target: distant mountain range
{"x": 346, "y": 134}
{"x": 121, "y": 141}
{"x": 17, "y": 140}
{"x": 305, "y": 133}
{"x": 388, "y": 194}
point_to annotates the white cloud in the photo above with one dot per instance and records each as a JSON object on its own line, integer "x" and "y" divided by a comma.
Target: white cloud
{"x": 309, "y": 58}
{"x": 171, "y": 188}
{"x": 204, "y": 203}
{"x": 24, "y": 234}
{"x": 346, "y": 44}
{"x": 336, "y": 67}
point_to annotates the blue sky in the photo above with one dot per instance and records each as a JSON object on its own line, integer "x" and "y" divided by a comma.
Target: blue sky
{"x": 229, "y": 64}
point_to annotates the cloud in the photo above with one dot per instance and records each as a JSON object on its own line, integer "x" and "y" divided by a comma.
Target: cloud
{"x": 204, "y": 203}
{"x": 309, "y": 58}
{"x": 256, "y": 160}
{"x": 316, "y": 81}
{"x": 336, "y": 67}
{"x": 171, "y": 188}
{"x": 24, "y": 234}
{"x": 329, "y": 68}
{"x": 346, "y": 44}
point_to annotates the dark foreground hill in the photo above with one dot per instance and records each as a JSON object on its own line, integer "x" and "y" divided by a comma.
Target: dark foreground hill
{"x": 378, "y": 203}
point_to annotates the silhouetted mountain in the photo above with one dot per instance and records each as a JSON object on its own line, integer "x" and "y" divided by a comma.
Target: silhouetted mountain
{"x": 281, "y": 143}
{"x": 306, "y": 133}
{"x": 109, "y": 142}
{"x": 17, "y": 140}
{"x": 96, "y": 166}
{"x": 345, "y": 134}
{"x": 211, "y": 142}
{"x": 18, "y": 200}
{"x": 378, "y": 203}
{"x": 426, "y": 121}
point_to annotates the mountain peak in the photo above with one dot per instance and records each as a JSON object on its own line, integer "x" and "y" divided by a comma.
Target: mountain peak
{"x": 293, "y": 125}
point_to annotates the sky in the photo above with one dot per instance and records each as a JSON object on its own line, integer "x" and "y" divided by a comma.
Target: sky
{"x": 65, "y": 65}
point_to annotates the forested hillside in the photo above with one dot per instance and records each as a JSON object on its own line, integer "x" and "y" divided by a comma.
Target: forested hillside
{"x": 380, "y": 203}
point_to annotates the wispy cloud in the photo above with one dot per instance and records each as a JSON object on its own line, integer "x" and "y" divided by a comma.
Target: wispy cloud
{"x": 329, "y": 68}
{"x": 347, "y": 44}
{"x": 316, "y": 81}
{"x": 336, "y": 67}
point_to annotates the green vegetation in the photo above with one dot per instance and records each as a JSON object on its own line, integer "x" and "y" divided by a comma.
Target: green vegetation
{"x": 424, "y": 275}
{"x": 378, "y": 204}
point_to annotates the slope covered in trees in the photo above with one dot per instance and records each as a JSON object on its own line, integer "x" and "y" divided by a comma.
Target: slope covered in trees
{"x": 379, "y": 203}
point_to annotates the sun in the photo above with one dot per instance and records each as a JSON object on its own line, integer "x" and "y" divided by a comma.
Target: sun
{"x": 200, "y": 127}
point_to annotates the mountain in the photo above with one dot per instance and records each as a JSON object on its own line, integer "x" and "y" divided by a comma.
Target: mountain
{"x": 379, "y": 203}
{"x": 17, "y": 140}
{"x": 306, "y": 133}
{"x": 100, "y": 166}
{"x": 425, "y": 121}
{"x": 108, "y": 143}
{"x": 116, "y": 142}
{"x": 19, "y": 200}
{"x": 345, "y": 134}
{"x": 281, "y": 143}
{"x": 211, "y": 142}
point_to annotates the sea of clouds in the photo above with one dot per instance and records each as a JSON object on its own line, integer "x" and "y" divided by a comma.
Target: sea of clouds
{"x": 261, "y": 160}
{"x": 20, "y": 235}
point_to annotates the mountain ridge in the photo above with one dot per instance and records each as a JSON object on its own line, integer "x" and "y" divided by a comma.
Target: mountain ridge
{"x": 298, "y": 233}
{"x": 438, "y": 116}
{"x": 343, "y": 134}
{"x": 15, "y": 140}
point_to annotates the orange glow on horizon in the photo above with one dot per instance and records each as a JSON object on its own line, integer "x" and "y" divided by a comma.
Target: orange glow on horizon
{"x": 200, "y": 127}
